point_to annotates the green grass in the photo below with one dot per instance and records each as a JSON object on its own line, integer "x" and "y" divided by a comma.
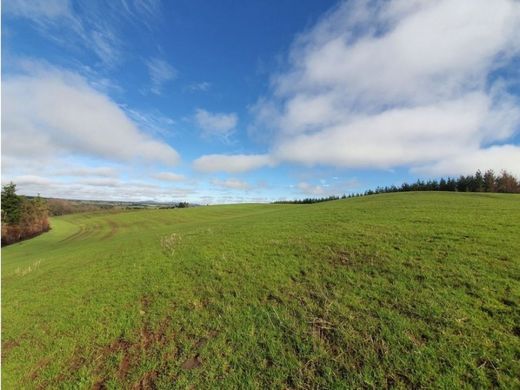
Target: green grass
{"x": 405, "y": 290}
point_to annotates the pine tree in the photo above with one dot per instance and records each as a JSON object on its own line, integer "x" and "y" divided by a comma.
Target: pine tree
{"x": 479, "y": 181}
{"x": 489, "y": 181}
{"x": 462, "y": 184}
{"x": 11, "y": 204}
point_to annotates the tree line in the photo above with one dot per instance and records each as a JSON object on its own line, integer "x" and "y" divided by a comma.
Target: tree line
{"x": 310, "y": 200}
{"x": 22, "y": 217}
{"x": 63, "y": 207}
{"x": 479, "y": 182}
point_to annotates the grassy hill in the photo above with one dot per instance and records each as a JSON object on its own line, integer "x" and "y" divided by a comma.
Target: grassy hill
{"x": 413, "y": 289}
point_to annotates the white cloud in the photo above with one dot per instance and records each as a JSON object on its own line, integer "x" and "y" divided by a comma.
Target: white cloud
{"x": 310, "y": 189}
{"x": 426, "y": 50}
{"x": 140, "y": 12}
{"x": 218, "y": 191}
{"x": 153, "y": 122}
{"x": 394, "y": 137}
{"x": 216, "y": 124}
{"x": 99, "y": 189}
{"x": 234, "y": 184}
{"x": 105, "y": 43}
{"x": 56, "y": 113}
{"x": 495, "y": 157}
{"x": 105, "y": 182}
{"x": 397, "y": 83}
{"x": 203, "y": 86}
{"x": 88, "y": 171}
{"x": 237, "y": 163}
{"x": 325, "y": 188}
{"x": 169, "y": 176}
{"x": 160, "y": 72}
{"x": 39, "y": 10}
{"x": 95, "y": 26}
{"x": 25, "y": 180}
{"x": 57, "y": 21}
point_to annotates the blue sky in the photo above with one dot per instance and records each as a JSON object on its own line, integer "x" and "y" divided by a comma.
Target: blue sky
{"x": 218, "y": 102}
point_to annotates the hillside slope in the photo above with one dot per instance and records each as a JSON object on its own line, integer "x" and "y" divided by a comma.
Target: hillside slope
{"x": 410, "y": 289}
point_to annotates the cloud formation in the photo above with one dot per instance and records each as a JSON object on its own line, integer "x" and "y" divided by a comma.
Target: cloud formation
{"x": 202, "y": 86}
{"x": 160, "y": 72}
{"x": 95, "y": 26}
{"x": 326, "y": 188}
{"x": 494, "y": 157}
{"x": 232, "y": 183}
{"x": 216, "y": 124}
{"x": 52, "y": 112}
{"x": 87, "y": 171}
{"x": 169, "y": 176}
{"x": 39, "y": 11}
{"x": 310, "y": 189}
{"x": 237, "y": 163}
{"x": 399, "y": 83}
{"x": 100, "y": 189}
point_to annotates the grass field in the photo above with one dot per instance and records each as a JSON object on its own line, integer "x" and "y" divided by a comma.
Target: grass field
{"x": 404, "y": 290}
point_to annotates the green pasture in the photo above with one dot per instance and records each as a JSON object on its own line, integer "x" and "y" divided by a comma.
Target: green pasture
{"x": 400, "y": 290}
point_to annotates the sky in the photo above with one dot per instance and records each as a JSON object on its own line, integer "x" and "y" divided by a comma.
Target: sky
{"x": 255, "y": 101}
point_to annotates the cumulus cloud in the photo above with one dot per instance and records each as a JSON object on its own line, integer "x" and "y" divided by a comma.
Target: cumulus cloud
{"x": 237, "y": 163}
{"x": 135, "y": 190}
{"x": 160, "y": 73}
{"x": 216, "y": 124}
{"x": 105, "y": 182}
{"x": 25, "y": 180}
{"x": 53, "y": 112}
{"x": 87, "y": 171}
{"x": 234, "y": 184}
{"x": 99, "y": 189}
{"x": 496, "y": 157}
{"x": 398, "y": 83}
{"x": 400, "y": 136}
{"x": 169, "y": 176}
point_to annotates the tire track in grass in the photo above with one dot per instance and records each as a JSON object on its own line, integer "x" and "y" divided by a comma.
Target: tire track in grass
{"x": 114, "y": 228}
{"x": 74, "y": 236}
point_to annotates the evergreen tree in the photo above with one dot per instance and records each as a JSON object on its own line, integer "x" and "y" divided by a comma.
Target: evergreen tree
{"x": 489, "y": 181}
{"x": 479, "y": 181}
{"x": 471, "y": 183}
{"x": 11, "y": 204}
{"x": 451, "y": 184}
{"x": 462, "y": 184}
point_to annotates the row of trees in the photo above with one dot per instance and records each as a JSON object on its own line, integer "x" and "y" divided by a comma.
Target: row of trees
{"x": 22, "y": 217}
{"x": 487, "y": 182}
{"x": 179, "y": 205}
{"x": 63, "y": 207}
{"x": 479, "y": 182}
{"x": 309, "y": 200}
